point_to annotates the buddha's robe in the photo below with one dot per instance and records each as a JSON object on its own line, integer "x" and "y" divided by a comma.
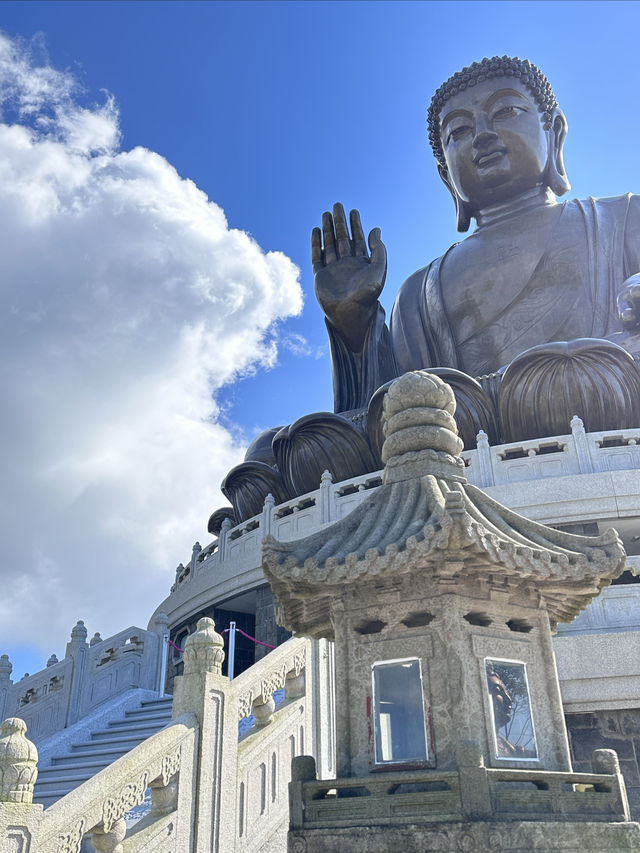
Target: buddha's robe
{"x": 568, "y": 291}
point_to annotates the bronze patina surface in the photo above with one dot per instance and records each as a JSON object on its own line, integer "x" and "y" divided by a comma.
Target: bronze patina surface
{"x": 534, "y": 270}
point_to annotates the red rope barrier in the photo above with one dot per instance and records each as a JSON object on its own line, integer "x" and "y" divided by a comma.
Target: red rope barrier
{"x": 249, "y": 637}
{"x": 226, "y": 630}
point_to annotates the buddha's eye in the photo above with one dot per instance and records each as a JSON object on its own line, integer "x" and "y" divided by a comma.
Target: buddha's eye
{"x": 457, "y": 132}
{"x": 508, "y": 111}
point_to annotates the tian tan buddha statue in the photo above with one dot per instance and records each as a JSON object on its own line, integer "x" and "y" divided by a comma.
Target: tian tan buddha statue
{"x": 533, "y": 318}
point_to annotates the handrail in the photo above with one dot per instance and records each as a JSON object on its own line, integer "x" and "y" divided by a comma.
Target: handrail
{"x": 259, "y": 686}
{"x": 106, "y": 797}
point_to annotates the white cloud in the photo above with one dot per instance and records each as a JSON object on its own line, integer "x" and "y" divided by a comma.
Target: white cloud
{"x": 299, "y": 346}
{"x": 126, "y": 301}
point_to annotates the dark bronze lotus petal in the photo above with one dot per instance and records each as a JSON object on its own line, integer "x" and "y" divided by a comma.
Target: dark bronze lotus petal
{"x": 248, "y": 484}
{"x": 545, "y": 386}
{"x": 319, "y": 442}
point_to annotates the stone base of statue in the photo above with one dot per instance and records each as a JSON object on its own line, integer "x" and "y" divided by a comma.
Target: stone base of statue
{"x": 467, "y": 837}
{"x": 441, "y": 603}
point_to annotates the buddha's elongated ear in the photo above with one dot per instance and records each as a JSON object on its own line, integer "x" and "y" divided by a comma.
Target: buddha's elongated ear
{"x": 555, "y": 174}
{"x": 463, "y": 210}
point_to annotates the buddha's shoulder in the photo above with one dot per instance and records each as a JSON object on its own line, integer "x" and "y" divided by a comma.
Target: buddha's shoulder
{"x": 412, "y": 286}
{"x": 613, "y": 204}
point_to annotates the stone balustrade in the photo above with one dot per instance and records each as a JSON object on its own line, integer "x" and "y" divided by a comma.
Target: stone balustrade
{"x": 210, "y": 791}
{"x": 279, "y": 733}
{"x": 473, "y": 792}
{"x": 89, "y": 674}
{"x": 93, "y": 814}
{"x": 232, "y": 564}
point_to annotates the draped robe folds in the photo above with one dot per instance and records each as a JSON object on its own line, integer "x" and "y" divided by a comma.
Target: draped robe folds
{"x": 421, "y": 335}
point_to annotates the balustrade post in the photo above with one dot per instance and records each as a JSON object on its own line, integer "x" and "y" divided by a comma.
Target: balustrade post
{"x": 483, "y": 456}
{"x": 267, "y": 515}
{"x": 581, "y": 443}
{"x": 326, "y": 483}
{"x": 605, "y": 761}
{"x": 474, "y": 782}
{"x": 303, "y": 769}
{"x": 77, "y": 649}
{"x": 195, "y": 553}
{"x": 19, "y": 816}
{"x": 5, "y": 683}
{"x": 223, "y": 539}
{"x": 160, "y": 627}
{"x": 204, "y": 691}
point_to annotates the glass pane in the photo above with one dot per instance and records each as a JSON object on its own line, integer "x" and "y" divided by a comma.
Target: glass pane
{"x": 399, "y": 717}
{"x": 512, "y": 720}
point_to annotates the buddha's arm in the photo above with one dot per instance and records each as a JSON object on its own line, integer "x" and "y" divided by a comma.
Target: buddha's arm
{"x": 348, "y": 281}
{"x": 628, "y": 298}
{"x": 356, "y": 375}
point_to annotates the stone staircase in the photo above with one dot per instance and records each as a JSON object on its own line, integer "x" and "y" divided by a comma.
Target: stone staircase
{"x": 84, "y": 759}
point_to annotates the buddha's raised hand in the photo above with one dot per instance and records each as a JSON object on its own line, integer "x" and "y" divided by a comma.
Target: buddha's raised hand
{"x": 348, "y": 278}
{"x": 629, "y": 302}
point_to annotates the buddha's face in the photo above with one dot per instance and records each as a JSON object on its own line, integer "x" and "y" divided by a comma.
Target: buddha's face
{"x": 494, "y": 142}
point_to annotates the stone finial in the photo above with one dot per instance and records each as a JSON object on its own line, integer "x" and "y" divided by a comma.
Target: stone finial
{"x": 326, "y": 479}
{"x": 269, "y": 502}
{"x": 6, "y": 668}
{"x": 605, "y": 761}
{"x": 95, "y": 639}
{"x": 421, "y": 436}
{"x": 204, "y": 649}
{"x": 482, "y": 439}
{"x": 160, "y": 624}
{"x": 18, "y": 762}
{"x": 79, "y": 632}
{"x": 53, "y": 660}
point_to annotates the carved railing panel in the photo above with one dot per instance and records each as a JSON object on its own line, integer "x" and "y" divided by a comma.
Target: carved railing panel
{"x": 98, "y": 806}
{"x": 265, "y": 752}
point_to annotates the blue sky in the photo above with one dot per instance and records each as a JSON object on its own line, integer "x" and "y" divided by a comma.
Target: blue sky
{"x": 274, "y": 111}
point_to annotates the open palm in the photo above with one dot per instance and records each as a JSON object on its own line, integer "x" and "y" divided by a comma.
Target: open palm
{"x": 348, "y": 278}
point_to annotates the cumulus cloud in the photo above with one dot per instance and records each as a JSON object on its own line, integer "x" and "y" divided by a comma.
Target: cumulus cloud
{"x": 127, "y": 301}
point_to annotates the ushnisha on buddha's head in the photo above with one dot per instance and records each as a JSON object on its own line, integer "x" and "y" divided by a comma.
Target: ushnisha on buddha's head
{"x": 497, "y": 132}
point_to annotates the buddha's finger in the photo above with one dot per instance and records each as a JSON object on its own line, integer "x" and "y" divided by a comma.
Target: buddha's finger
{"x": 316, "y": 250}
{"x": 359, "y": 244}
{"x": 377, "y": 247}
{"x": 329, "y": 238}
{"x": 343, "y": 243}
{"x": 628, "y": 318}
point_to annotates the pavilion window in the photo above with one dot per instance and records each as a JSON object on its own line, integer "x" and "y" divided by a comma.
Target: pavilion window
{"x": 508, "y": 687}
{"x": 399, "y": 712}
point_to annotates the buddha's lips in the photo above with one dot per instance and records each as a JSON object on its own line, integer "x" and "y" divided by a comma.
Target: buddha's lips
{"x": 489, "y": 157}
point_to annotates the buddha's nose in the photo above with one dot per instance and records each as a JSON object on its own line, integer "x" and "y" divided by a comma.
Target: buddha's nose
{"x": 483, "y": 137}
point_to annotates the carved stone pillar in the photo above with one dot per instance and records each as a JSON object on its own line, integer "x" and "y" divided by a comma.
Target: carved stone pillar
{"x": 5, "y": 683}
{"x": 204, "y": 691}
{"x": 77, "y": 649}
{"x": 19, "y": 818}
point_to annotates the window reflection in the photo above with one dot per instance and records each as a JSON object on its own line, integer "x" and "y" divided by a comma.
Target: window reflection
{"x": 511, "y": 707}
{"x": 399, "y": 717}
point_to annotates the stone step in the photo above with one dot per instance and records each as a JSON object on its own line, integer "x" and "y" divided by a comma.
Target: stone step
{"x": 84, "y": 759}
{"x": 121, "y": 726}
{"x": 151, "y": 704}
{"x": 91, "y": 749}
{"x": 126, "y": 741}
{"x": 50, "y": 785}
{"x": 149, "y": 714}
{"x": 96, "y": 762}
{"x": 140, "y": 732}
